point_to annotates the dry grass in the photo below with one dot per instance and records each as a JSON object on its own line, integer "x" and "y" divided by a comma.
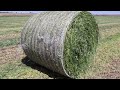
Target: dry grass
{"x": 9, "y": 36}
{"x": 11, "y": 53}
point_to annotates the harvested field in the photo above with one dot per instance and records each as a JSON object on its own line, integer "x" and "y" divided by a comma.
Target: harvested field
{"x": 15, "y": 65}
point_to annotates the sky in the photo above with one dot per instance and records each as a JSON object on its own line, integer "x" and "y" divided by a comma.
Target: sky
{"x": 93, "y": 12}
{"x": 106, "y": 12}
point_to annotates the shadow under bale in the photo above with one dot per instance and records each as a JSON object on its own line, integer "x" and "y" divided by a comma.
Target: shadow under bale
{"x": 42, "y": 69}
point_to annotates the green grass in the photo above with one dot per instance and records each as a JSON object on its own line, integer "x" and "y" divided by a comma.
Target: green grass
{"x": 107, "y": 19}
{"x": 80, "y": 44}
{"x": 18, "y": 70}
{"x": 12, "y": 22}
{"x": 111, "y": 38}
{"x": 10, "y": 31}
{"x": 108, "y": 25}
{"x": 107, "y": 50}
{"x": 11, "y": 25}
{"x": 9, "y": 42}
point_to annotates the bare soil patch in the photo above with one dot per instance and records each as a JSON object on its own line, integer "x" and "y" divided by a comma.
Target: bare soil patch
{"x": 11, "y": 53}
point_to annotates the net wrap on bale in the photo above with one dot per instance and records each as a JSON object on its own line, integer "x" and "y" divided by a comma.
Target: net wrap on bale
{"x": 62, "y": 41}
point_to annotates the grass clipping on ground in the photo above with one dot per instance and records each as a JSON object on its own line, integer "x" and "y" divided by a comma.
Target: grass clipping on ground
{"x": 62, "y": 41}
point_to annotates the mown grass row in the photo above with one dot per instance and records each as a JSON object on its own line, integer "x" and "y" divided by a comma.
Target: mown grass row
{"x": 107, "y": 19}
{"x": 10, "y": 31}
{"x": 11, "y": 25}
{"x": 9, "y": 42}
{"x": 12, "y": 22}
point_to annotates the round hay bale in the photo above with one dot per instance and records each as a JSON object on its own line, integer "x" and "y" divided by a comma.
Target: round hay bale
{"x": 62, "y": 41}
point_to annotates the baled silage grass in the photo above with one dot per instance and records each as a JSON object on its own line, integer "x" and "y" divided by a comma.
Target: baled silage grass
{"x": 63, "y": 41}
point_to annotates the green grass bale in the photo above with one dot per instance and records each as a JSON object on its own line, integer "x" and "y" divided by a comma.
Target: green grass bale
{"x": 62, "y": 41}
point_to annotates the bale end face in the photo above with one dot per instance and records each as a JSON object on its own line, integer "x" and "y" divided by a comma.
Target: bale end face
{"x": 80, "y": 43}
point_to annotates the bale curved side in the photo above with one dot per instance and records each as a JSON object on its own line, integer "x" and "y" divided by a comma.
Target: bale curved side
{"x": 44, "y": 38}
